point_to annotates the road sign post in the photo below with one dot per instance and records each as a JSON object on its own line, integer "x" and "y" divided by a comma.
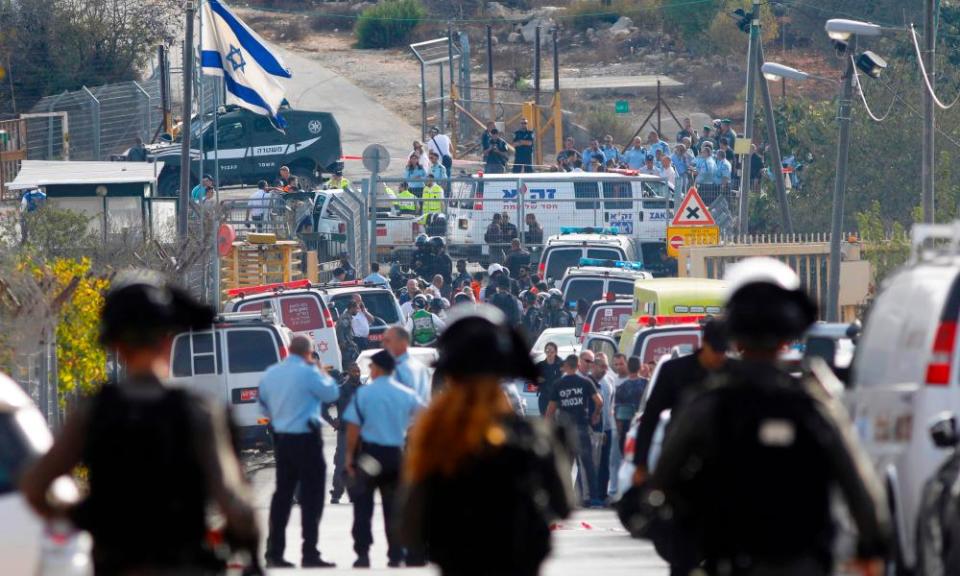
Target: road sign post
{"x": 376, "y": 159}
{"x": 692, "y": 225}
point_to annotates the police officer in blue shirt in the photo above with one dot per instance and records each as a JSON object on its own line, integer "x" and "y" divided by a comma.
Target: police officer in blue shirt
{"x": 377, "y": 421}
{"x": 291, "y": 394}
{"x": 636, "y": 154}
{"x": 409, "y": 371}
{"x": 591, "y": 152}
{"x": 610, "y": 150}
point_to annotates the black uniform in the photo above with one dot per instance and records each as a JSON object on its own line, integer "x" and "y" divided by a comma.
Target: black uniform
{"x": 549, "y": 374}
{"x": 533, "y": 323}
{"x": 348, "y": 387}
{"x": 769, "y": 449}
{"x": 516, "y": 490}
{"x": 423, "y": 263}
{"x": 443, "y": 265}
{"x": 557, "y": 318}
{"x": 679, "y": 381}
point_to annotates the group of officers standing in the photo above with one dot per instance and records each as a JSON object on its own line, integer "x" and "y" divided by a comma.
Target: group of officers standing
{"x": 742, "y": 486}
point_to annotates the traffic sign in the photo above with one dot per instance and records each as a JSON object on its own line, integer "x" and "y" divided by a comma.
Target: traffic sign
{"x": 680, "y": 236}
{"x": 622, "y": 107}
{"x": 693, "y": 211}
{"x": 376, "y": 158}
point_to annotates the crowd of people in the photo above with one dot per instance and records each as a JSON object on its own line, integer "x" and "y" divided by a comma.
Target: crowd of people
{"x": 744, "y": 483}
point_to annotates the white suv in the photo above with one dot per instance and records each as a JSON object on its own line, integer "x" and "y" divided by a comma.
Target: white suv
{"x": 906, "y": 372}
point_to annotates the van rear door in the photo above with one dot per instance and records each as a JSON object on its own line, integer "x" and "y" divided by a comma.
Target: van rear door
{"x": 305, "y": 314}
{"x": 651, "y": 347}
{"x": 249, "y": 351}
{"x": 197, "y": 363}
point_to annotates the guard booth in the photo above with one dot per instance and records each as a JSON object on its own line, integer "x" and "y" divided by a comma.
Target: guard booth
{"x": 118, "y": 197}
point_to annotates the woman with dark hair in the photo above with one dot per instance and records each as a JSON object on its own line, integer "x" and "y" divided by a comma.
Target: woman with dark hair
{"x": 549, "y": 370}
{"x": 483, "y": 485}
{"x": 157, "y": 456}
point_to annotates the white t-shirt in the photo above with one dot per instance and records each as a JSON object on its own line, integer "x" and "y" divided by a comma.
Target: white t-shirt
{"x": 670, "y": 174}
{"x": 259, "y": 203}
{"x": 360, "y": 324}
{"x": 441, "y": 146}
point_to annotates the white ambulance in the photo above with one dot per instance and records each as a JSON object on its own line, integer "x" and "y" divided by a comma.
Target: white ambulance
{"x": 637, "y": 205}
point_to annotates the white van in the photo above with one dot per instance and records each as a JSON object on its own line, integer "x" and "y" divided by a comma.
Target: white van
{"x": 227, "y": 362}
{"x": 565, "y": 250}
{"x": 906, "y": 372}
{"x": 594, "y": 279}
{"x": 637, "y": 205}
{"x": 302, "y": 309}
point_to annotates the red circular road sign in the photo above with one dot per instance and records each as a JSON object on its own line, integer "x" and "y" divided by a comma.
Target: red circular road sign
{"x": 225, "y": 239}
{"x": 676, "y": 242}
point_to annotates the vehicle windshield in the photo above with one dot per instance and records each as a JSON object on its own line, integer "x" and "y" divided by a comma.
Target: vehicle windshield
{"x": 564, "y": 339}
{"x": 658, "y": 189}
{"x": 381, "y": 304}
{"x": 589, "y": 289}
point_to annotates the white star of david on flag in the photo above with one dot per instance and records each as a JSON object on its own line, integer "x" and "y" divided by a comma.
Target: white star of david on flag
{"x": 250, "y": 69}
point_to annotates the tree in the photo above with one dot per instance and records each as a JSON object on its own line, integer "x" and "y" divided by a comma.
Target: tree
{"x": 58, "y": 45}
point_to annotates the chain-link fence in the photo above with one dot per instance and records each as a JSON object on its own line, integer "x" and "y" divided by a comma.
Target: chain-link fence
{"x": 104, "y": 121}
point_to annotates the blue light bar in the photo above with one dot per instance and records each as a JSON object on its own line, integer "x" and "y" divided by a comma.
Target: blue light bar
{"x": 588, "y": 230}
{"x": 611, "y": 263}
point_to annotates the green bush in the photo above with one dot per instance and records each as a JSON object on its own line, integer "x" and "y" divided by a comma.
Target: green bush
{"x": 601, "y": 121}
{"x": 583, "y": 14}
{"x": 692, "y": 23}
{"x": 389, "y": 23}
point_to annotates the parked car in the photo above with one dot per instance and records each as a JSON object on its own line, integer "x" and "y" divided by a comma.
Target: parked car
{"x": 302, "y": 309}
{"x": 227, "y": 362}
{"x": 564, "y": 338}
{"x": 29, "y": 544}
{"x": 593, "y": 280}
{"x": 565, "y": 250}
{"x": 905, "y": 372}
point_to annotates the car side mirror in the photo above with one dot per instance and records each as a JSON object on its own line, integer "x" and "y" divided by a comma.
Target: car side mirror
{"x": 943, "y": 430}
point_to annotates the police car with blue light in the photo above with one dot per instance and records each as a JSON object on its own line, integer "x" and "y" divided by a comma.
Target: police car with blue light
{"x": 564, "y": 250}
{"x": 595, "y": 278}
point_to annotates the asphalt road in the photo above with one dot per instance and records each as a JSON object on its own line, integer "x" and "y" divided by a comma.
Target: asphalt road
{"x": 362, "y": 119}
{"x": 592, "y": 542}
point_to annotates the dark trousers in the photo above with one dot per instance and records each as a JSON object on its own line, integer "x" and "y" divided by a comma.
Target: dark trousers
{"x": 339, "y": 464}
{"x": 522, "y": 165}
{"x": 586, "y": 467}
{"x": 299, "y": 461}
{"x": 603, "y": 469}
{"x": 389, "y": 459}
{"x": 362, "y": 343}
{"x": 447, "y": 162}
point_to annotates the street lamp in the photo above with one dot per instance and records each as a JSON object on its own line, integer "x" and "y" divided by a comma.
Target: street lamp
{"x": 775, "y": 72}
{"x": 841, "y": 31}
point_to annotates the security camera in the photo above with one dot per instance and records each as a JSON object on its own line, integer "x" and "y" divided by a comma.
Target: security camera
{"x": 840, "y": 46}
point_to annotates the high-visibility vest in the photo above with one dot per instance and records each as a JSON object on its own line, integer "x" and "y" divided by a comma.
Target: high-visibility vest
{"x": 343, "y": 183}
{"x": 406, "y": 206}
{"x": 424, "y": 330}
{"x": 434, "y": 192}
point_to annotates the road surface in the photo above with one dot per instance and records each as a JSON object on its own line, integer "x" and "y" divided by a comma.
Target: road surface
{"x": 592, "y": 542}
{"x": 362, "y": 119}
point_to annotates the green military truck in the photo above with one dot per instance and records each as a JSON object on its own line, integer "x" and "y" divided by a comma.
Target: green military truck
{"x": 251, "y": 149}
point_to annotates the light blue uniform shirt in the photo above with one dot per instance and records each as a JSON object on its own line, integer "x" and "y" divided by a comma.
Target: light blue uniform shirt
{"x": 377, "y": 278}
{"x": 588, "y": 155}
{"x": 679, "y": 162}
{"x": 291, "y": 393}
{"x": 724, "y": 170}
{"x": 611, "y": 152}
{"x": 706, "y": 170}
{"x": 383, "y": 409}
{"x": 635, "y": 157}
{"x": 439, "y": 172}
{"x": 663, "y": 146}
{"x": 414, "y": 375}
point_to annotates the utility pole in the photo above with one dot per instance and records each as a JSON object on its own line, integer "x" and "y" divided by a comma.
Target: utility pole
{"x": 774, "y": 142}
{"x": 929, "y": 119}
{"x": 752, "y": 68}
{"x": 185, "y": 161}
{"x": 844, "y": 109}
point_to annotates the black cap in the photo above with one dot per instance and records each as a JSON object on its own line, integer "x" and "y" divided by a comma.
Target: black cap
{"x": 141, "y": 308}
{"x": 649, "y": 157}
{"x": 384, "y": 360}
{"x": 506, "y": 353}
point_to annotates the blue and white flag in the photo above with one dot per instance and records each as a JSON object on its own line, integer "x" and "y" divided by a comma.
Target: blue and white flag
{"x": 250, "y": 69}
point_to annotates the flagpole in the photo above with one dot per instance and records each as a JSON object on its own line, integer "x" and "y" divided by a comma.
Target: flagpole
{"x": 200, "y": 109}
{"x": 186, "y": 161}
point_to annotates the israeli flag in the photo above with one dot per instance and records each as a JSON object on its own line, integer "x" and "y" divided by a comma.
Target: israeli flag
{"x": 250, "y": 70}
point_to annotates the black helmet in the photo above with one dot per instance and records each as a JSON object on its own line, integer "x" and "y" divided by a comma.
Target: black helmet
{"x": 421, "y": 240}
{"x": 141, "y": 307}
{"x": 437, "y": 242}
{"x": 528, "y": 296}
{"x": 436, "y": 304}
{"x": 506, "y": 354}
{"x": 766, "y": 305}
{"x": 555, "y": 295}
{"x": 419, "y": 301}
